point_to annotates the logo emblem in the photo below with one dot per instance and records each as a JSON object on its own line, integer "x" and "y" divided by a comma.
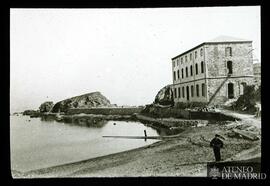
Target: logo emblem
{"x": 214, "y": 172}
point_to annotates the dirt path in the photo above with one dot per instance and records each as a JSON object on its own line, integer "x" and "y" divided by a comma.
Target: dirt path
{"x": 249, "y": 118}
{"x": 251, "y": 153}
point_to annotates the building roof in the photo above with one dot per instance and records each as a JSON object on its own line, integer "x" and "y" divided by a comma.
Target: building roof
{"x": 219, "y": 39}
{"x": 224, "y": 38}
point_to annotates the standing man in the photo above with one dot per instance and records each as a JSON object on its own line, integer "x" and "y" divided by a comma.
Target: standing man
{"x": 216, "y": 144}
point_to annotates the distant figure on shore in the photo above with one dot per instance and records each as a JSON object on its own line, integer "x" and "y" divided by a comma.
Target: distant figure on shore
{"x": 216, "y": 144}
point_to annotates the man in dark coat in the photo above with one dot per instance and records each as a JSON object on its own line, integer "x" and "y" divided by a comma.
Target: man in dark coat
{"x": 216, "y": 144}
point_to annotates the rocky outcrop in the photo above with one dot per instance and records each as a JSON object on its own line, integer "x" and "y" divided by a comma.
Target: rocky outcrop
{"x": 90, "y": 100}
{"x": 46, "y": 106}
{"x": 164, "y": 96}
{"x": 30, "y": 112}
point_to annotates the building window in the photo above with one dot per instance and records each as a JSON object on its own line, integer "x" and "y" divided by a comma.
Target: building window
{"x": 175, "y": 94}
{"x": 186, "y": 71}
{"x": 177, "y": 62}
{"x": 197, "y": 90}
{"x": 183, "y": 92}
{"x": 173, "y": 64}
{"x": 201, "y": 52}
{"x": 228, "y": 51}
{"x": 185, "y": 58}
{"x": 196, "y": 68}
{"x": 202, "y": 67}
{"x": 181, "y": 60}
{"x": 174, "y": 76}
{"x": 190, "y": 56}
{"x": 229, "y": 67}
{"x": 192, "y": 90}
{"x": 187, "y": 92}
{"x": 179, "y": 92}
{"x": 203, "y": 89}
{"x": 182, "y": 72}
{"x": 195, "y": 54}
{"x": 230, "y": 90}
{"x": 178, "y": 74}
{"x": 191, "y": 71}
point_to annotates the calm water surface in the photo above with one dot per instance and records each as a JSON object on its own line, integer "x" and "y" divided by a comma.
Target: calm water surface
{"x": 36, "y": 143}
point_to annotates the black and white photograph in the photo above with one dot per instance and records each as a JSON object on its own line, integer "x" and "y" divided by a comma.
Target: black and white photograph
{"x": 135, "y": 92}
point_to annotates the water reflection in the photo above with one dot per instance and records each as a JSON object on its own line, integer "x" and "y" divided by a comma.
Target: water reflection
{"x": 83, "y": 121}
{"x": 94, "y": 122}
{"x": 39, "y": 143}
{"x": 47, "y": 118}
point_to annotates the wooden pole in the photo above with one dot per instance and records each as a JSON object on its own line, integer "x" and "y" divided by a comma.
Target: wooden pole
{"x": 145, "y": 135}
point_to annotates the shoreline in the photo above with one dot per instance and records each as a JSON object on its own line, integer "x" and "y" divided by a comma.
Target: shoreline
{"x": 67, "y": 165}
{"x": 185, "y": 154}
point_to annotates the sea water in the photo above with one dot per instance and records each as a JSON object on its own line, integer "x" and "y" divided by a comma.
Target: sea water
{"x": 36, "y": 143}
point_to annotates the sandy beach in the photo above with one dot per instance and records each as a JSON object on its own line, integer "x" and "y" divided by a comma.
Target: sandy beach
{"x": 183, "y": 155}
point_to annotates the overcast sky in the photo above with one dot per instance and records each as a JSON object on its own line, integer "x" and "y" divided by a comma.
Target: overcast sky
{"x": 123, "y": 53}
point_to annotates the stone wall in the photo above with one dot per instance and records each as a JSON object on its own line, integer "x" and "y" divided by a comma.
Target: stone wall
{"x": 216, "y": 61}
{"x": 221, "y": 95}
{"x": 107, "y": 111}
{"x": 160, "y": 112}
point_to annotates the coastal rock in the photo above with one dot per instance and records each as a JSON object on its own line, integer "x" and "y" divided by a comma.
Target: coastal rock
{"x": 164, "y": 96}
{"x": 30, "y": 112}
{"x": 46, "y": 106}
{"x": 90, "y": 100}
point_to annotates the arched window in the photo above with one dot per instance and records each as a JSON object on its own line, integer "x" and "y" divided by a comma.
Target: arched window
{"x": 174, "y": 76}
{"x": 183, "y": 92}
{"x": 175, "y": 94}
{"x": 201, "y": 52}
{"x": 191, "y": 71}
{"x": 242, "y": 87}
{"x": 179, "y": 92}
{"x": 187, "y": 88}
{"x": 182, "y": 72}
{"x": 196, "y": 68}
{"x": 186, "y": 71}
{"x": 178, "y": 74}
{"x": 202, "y": 67}
{"x": 197, "y": 90}
{"x": 192, "y": 90}
{"x": 203, "y": 89}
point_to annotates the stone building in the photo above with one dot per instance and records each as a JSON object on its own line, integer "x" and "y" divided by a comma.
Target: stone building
{"x": 257, "y": 73}
{"x": 212, "y": 72}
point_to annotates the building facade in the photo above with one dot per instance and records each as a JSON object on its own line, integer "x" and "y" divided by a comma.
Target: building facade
{"x": 212, "y": 72}
{"x": 257, "y": 73}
